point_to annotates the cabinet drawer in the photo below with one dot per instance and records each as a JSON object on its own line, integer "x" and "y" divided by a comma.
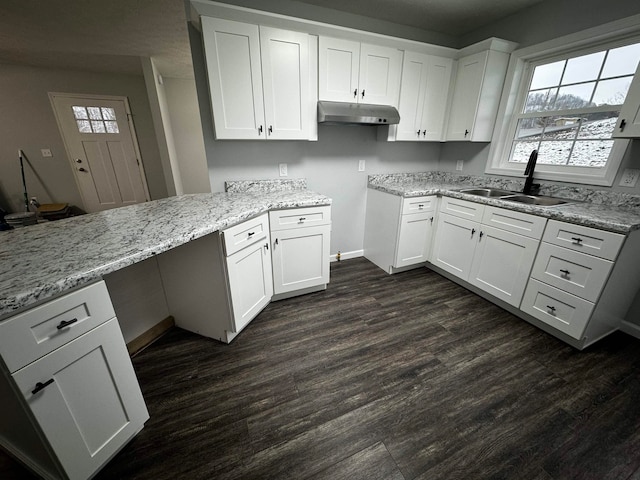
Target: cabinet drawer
{"x": 245, "y": 234}
{"x": 462, "y": 208}
{"x": 299, "y": 217}
{"x": 561, "y": 310}
{"x": 584, "y": 239}
{"x": 42, "y": 329}
{"x": 516, "y": 222}
{"x": 574, "y": 272}
{"x": 419, "y": 204}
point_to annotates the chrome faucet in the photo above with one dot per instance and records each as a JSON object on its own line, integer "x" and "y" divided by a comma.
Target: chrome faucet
{"x": 531, "y": 188}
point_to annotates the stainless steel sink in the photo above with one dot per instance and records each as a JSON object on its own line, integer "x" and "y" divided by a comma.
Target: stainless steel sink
{"x": 486, "y": 192}
{"x": 535, "y": 200}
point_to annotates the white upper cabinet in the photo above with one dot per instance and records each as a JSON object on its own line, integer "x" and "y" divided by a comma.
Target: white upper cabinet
{"x": 628, "y": 125}
{"x": 259, "y": 81}
{"x": 358, "y": 72}
{"x": 423, "y": 97}
{"x": 476, "y": 96}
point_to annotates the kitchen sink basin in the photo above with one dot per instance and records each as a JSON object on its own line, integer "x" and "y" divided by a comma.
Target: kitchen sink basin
{"x": 486, "y": 192}
{"x": 535, "y": 200}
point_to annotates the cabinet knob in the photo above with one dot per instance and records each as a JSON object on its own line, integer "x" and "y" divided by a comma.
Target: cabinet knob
{"x": 78, "y": 160}
{"x": 466, "y": 132}
{"x": 41, "y": 386}
{"x": 82, "y": 169}
{"x": 418, "y": 132}
{"x": 260, "y": 130}
{"x": 431, "y": 219}
{"x": 420, "y": 206}
{"x": 473, "y": 230}
{"x": 565, "y": 273}
{"x": 270, "y": 129}
{"x": 266, "y": 245}
{"x": 355, "y": 93}
{"x": 276, "y": 242}
{"x": 251, "y": 234}
{"x": 424, "y": 133}
{"x": 551, "y": 310}
{"x": 302, "y": 219}
{"x": 623, "y": 123}
{"x": 481, "y": 233}
{"x": 576, "y": 240}
{"x": 362, "y": 93}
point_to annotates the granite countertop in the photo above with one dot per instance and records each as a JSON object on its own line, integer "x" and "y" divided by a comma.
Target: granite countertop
{"x": 613, "y": 212}
{"x": 44, "y": 260}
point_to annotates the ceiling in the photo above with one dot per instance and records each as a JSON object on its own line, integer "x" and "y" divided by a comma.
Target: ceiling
{"x": 98, "y": 35}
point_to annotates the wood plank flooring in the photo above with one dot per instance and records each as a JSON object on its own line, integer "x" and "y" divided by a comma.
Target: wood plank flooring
{"x": 384, "y": 377}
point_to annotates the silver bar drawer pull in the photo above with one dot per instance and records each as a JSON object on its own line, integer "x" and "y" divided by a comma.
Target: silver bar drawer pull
{"x": 576, "y": 240}
{"x": 41, "y": 386}
{"x": 66, "y": 323}
{"x": 552, "y": 310}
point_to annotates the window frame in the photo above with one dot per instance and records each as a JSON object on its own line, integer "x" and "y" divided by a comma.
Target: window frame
{"x": 520, "y": 69}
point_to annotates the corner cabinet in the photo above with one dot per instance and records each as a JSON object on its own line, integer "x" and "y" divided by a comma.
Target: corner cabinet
{"x": 358, "y": 72}
{"x": 215, "y": 285}
{"x": 476, "y": 96}
{"x": 398, "y": 230}
{"x": 424, "y": 93}
{"x": 628, "y": 125}
{"x": 261, "y": 81}
{"x": 69, "y": 395}
{"x": 300, "y": 239}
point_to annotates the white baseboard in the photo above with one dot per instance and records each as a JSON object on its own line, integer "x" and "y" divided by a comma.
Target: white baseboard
{"x": 630, "y": 328}
{"x": 347, "y": 255}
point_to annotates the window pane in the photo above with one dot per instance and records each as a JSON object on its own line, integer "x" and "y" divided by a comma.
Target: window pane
{"x": 612, "y": 92}
{"x": 540, "y": 100}
{"x": 561, "y": 128}
{"x": 575, "y": 96}
{"x": 521, "y": 151}
{"x": 108, "y": 113}
{"x": 530, "y": 129}
{"x": 622, "y": 61}
{"x": 79, "y": 112}
{"x": 84, "y": 126}
{"x": 554, "y": 152}
{"x": 591, "y": 153}
{"x": 594, "y": 126}
{"x": 583, "y": 69}
{"x": 98, "y": 127}
{"x": 112, "y": 127}
{"x": 94, "y": 113}
{"x": 547, "y": 75}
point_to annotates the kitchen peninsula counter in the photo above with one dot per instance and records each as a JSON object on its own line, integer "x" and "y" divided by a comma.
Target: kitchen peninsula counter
{"x": 611, "y": 211}
{"x": 42, "y": 261}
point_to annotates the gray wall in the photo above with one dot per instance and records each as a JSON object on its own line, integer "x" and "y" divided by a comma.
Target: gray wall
{"x": 27, "y": 122}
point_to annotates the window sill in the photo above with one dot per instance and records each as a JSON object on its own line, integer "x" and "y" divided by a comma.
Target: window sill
{"x": 563, "y": 177}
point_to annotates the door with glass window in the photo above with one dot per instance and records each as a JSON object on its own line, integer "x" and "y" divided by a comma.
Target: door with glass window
{"x": 102, "y": 148}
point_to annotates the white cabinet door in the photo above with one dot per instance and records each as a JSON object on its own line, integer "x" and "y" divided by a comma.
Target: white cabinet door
{"x": 466, "y": 95}
{"x": 502, "y": 262}
{"x": 628, "y": 125}
{"x": 300, "y": 258}
{"x": 379, "y": 79}
{"x": 454, "y": 245}
{"x": 250, "y": 284}
{"x": 285, "y": 76}
{"x": 354, "y": 72}
{"x": 232, "y": 52}
{"x": 414, "y": 239}
{"x": 476, "y": 96}
{"x": 423, "y": 97}
{"x": 89, "y": 403}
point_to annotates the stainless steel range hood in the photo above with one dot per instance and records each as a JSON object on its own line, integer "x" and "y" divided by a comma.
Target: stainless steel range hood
{"x": 334, "y": 113}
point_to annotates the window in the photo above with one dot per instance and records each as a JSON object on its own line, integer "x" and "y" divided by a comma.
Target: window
{"x": 95, "y": 119}
{"x": 565, "y": 105}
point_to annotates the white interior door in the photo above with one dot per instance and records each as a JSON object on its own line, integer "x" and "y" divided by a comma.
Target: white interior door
{"x": 102, "y": 148}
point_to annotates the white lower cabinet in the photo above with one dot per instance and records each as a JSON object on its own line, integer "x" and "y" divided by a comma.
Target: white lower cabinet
{"x": 65, "y": 414}
{"x": 215, "y": 285}
{"x": 398, "y": 231}
{"x": 496, "y": 260}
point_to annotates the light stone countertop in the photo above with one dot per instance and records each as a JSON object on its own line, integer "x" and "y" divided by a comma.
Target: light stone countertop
{"x": 44, "y": 260}
{"x": 615, "y": 214}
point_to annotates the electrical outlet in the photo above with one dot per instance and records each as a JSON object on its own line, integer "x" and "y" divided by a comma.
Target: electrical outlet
{"x": 459, "y": 165}
{"x": 361, "y": 165}
{"x": 629, "y": 177}
{"x": 283, "y": 169}
{"x": 46, "y": 152}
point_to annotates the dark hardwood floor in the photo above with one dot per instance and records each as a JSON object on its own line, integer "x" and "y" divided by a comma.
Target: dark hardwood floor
{"x": 384, "y": 377}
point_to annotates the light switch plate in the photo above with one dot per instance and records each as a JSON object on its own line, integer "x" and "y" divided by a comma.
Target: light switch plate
{"x": 283, "y": 169}
{"x": 459, "y": 165}
{"x": 46, "y": 152}
{"x": 361, "y": 165}
{"x": 629, "y": 177}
